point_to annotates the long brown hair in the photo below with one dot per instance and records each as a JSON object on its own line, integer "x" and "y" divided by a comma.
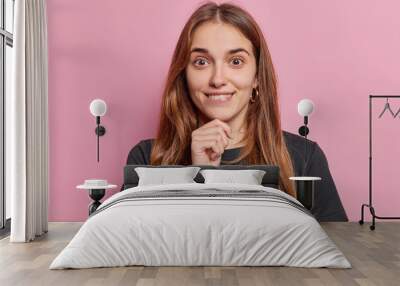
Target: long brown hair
{"x": 264, "y": 141}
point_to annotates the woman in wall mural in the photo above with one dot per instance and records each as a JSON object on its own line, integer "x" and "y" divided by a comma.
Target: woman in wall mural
{"x": 220, "y": 106}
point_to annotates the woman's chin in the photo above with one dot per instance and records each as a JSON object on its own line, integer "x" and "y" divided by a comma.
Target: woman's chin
{"x": 220, "y": 116}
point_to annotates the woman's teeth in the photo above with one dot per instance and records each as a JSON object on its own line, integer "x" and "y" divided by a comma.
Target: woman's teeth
{"x": 220, "y": 97}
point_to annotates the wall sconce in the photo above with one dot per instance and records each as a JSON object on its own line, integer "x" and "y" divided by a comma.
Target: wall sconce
{"x": 305, "y": 108}
{"x": 98, "y": 108}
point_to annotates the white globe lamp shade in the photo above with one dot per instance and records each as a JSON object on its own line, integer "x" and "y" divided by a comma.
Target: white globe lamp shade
{"x": 98, "y": 107}
{"x": 305, "y": 107}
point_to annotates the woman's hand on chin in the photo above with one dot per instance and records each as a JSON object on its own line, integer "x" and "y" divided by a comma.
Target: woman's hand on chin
{"x": 209, "y": 142}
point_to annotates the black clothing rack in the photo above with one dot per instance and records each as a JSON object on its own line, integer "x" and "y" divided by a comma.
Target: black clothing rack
{"x": 369, "y": 205}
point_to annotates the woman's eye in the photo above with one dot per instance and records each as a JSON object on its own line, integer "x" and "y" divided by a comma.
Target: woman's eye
{"x": 200, "y": 62}
{"x": 237, "y": 61}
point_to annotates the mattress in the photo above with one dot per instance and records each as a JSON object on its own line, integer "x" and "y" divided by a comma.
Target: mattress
{"x": 201, "y": 225}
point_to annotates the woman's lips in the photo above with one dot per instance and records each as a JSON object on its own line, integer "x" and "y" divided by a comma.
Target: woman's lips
{"x": 219, "y": 97}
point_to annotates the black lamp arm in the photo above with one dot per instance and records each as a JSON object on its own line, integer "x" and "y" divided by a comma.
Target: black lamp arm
{"x": 303, "y": 131}
{"x": 100, "y": 131}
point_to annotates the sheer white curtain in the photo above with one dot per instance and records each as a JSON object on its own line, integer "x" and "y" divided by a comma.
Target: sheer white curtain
{"x": 27, "y": 123}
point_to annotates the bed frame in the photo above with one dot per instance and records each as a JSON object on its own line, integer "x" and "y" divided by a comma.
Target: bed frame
{"x": 270, "y": 179}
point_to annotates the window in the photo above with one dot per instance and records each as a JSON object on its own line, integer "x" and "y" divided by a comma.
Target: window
{"x": 6, "y": 62}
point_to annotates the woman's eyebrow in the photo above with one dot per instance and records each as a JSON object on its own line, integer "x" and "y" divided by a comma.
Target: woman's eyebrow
{"x": 233, "y": 51}
{"x": 199, "y": 50}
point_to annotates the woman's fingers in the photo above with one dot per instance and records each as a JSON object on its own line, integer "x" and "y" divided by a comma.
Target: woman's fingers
{"x": 218, "y": 123}
{"x": 204, "y": 130}
{"x": 216, "y": 135}
{"x": 216, "y": 146}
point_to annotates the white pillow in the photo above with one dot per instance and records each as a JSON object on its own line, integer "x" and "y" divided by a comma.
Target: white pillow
{"x": 162, "y": 176}
{"x": 249, "y": 177}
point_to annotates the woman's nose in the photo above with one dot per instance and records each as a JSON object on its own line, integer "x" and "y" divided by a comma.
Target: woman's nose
{"x": 218, "y": 78}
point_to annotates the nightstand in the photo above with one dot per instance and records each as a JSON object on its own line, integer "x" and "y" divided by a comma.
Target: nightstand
{"x": 305, "y": 188}
{"x": 97, "y": 190}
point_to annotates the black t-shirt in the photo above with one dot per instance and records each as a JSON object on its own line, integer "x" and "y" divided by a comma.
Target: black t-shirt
{"x": 328, "y": 206}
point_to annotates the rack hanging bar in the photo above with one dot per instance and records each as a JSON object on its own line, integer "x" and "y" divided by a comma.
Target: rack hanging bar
{"x": 384, "y": 96}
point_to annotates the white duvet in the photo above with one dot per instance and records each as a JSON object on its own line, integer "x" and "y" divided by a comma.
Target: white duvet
{"x": 190, "y": 230}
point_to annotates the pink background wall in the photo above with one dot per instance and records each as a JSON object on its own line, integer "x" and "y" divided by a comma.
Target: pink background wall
{"x": 334, "y": 52}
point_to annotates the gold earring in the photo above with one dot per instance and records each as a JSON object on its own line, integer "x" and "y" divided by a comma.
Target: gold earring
{"x": 253, "y": 97}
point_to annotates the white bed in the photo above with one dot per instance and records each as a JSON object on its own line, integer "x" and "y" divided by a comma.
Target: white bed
{"x": 201, "y": 224}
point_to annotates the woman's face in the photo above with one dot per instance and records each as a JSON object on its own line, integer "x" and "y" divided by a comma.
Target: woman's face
{"x": 221, "y": 73}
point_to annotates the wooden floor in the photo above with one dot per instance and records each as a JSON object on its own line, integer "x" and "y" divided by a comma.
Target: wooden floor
{"x": 374, "y": 255}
